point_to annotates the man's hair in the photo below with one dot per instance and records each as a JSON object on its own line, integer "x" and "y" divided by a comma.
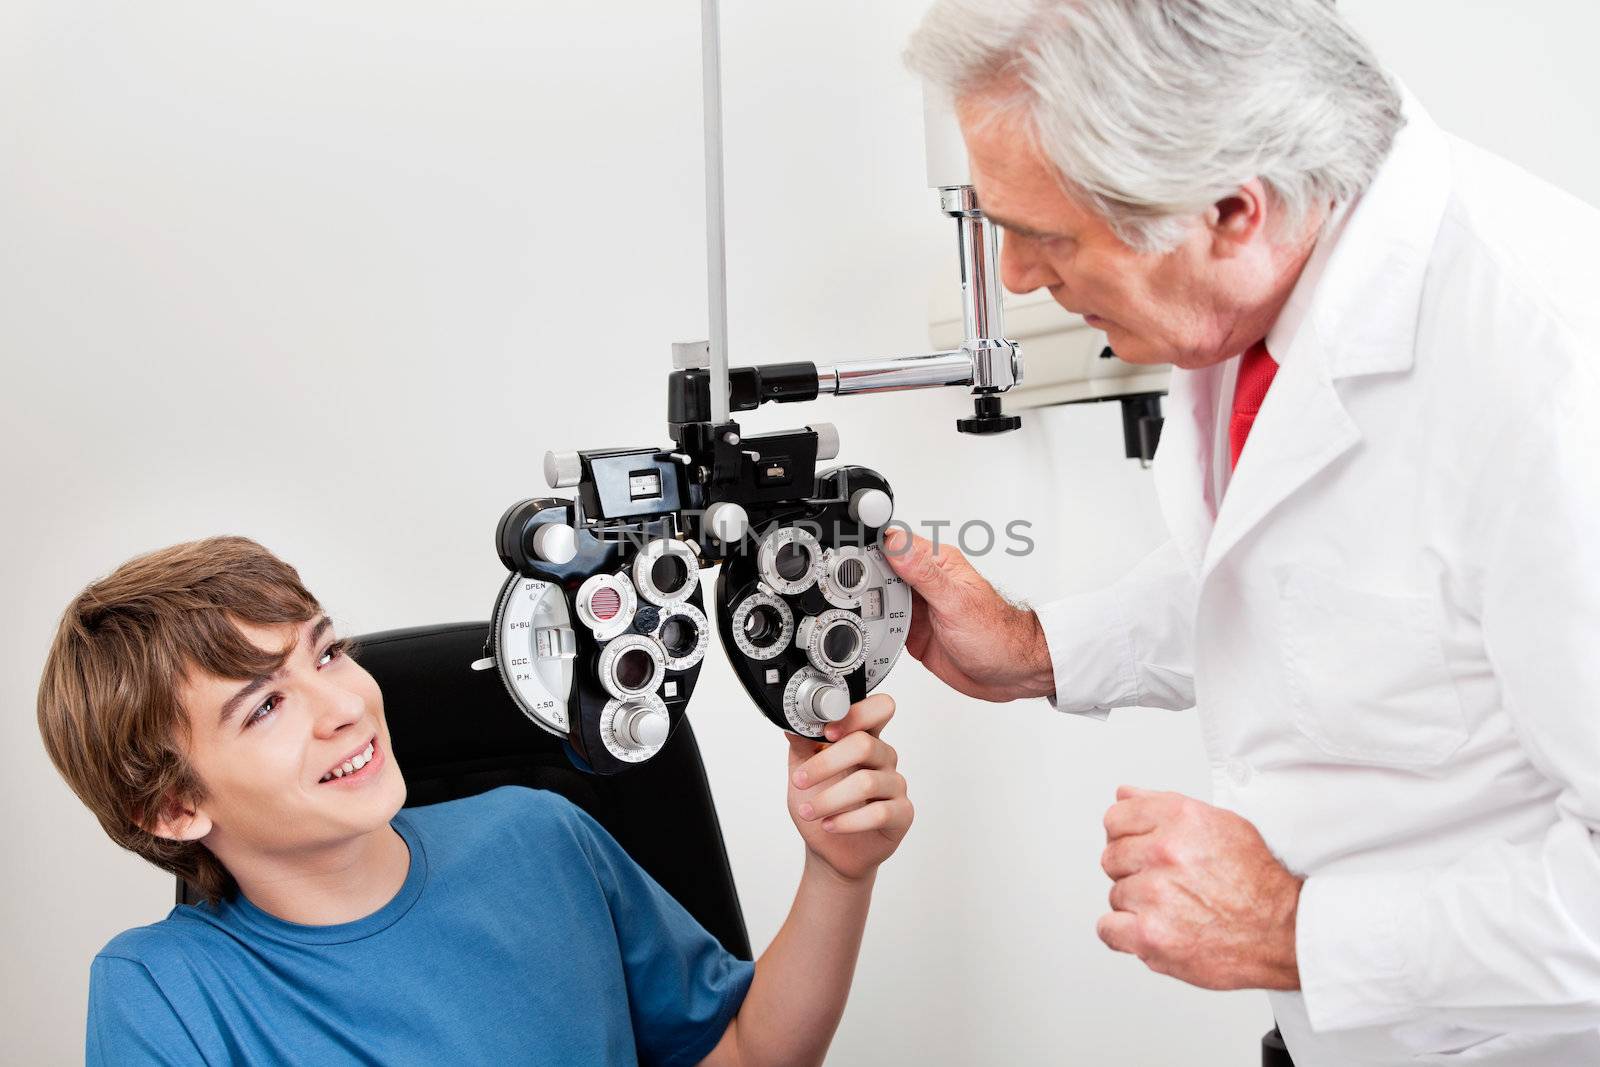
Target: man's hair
{"x": 109, "y": 707}
{"x": 1153, "y": 110}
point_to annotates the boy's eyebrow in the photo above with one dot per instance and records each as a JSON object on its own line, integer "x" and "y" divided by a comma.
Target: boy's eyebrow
{"x": 233, "y": 702}
{"x": 260, "y": 681}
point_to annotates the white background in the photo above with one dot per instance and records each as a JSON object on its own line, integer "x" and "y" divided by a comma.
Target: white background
{"x": 334, "y": 275}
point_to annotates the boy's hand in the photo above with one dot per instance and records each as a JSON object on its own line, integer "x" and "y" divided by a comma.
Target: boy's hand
{"x": 846, "y": 798}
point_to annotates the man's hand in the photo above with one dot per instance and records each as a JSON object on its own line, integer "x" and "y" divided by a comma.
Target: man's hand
{"x": 846, "y": 798}
{"x": 962, "y": 630}
{"x": 1197, "y": 894}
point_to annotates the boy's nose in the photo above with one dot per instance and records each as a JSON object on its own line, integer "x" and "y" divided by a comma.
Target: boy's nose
{"x": 337, "y": 708}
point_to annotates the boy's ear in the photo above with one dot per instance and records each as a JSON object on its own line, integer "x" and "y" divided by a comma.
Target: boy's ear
{"x": 178, "y": 820}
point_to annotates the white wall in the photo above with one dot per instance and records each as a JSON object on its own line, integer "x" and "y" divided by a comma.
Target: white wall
{"x": 334, "y": 275}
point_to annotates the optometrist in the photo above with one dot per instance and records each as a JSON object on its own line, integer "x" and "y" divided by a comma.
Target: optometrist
{"x": 1381, "y": 477}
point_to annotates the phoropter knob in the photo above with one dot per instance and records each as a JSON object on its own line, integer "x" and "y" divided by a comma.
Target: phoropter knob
{"x": 727, "y": 521}
{"x": 555, "y": 542}
{"x": 563, "y": 470}
{"x": 871, "y": 507}
{"x": 822, "y": 699}
{"x": 827, "y": 441}
{"x": 642, "y": 728}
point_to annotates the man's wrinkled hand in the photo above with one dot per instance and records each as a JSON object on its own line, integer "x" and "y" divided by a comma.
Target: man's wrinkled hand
{"x": 962, "y": 629}
{"x": 1197, "y": 894}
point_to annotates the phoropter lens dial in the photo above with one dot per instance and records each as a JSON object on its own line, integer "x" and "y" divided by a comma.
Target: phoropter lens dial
{"x": 606, "y": 603}
{"x": 762, "y": 626}
{"x": 631, "y": 666}
{"x": 846, "y": 572}
{"x": 835, "y": 642}
{"x": 634, "y": 730}
{"x": 683, "y": 635}
{"x": 666, "y": 571}
{"x": 789, "y": 560}
{"x": 812, "y": 699}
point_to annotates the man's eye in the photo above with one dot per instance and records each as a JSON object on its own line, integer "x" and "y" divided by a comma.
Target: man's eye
{"x": 331, "y": 653}
{"x": 266, "y": 708}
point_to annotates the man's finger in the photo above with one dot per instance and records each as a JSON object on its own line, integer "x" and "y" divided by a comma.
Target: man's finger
{"x": 1129, "y": 855}
{"x": 920, "y": 631}
{"x": 1135, "y": 893}
{"x": 1120, "y": 931}
{"x": 868, "y": 716}
{"x": 1126, "y": 818}
{"x": 912, "y": 558}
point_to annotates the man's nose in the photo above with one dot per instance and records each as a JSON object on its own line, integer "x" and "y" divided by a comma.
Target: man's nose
{"x": 1022, "y": 269}
{"x": 336, "y": 708}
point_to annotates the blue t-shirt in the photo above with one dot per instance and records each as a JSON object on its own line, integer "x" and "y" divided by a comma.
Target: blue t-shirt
{"x": 523, "y": 934}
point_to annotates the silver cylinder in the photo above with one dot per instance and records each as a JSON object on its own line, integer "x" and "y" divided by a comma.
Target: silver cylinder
{"x": 904, "y": 372}
{"x": 978, "y": 242}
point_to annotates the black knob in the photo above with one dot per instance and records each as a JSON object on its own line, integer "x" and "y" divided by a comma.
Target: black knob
{"x": 988, "y": 418}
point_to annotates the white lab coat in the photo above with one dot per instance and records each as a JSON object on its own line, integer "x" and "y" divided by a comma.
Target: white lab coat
{"x": 1389, "y": 621}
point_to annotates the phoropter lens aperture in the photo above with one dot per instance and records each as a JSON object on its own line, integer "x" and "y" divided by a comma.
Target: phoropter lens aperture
{"x": 792, "y": 561}
{"x": 840, "y": 644}
{"x": 669, "y": 574}
{"x": 632, "y": 669}
{"x": 679, "y": 636}
{"x": 762, "y": 626}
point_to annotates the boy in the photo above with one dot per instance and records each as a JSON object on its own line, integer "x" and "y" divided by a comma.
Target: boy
{"x": 199, "y": 703}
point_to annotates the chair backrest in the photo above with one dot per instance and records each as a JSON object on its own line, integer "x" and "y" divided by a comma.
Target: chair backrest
{"x": 456, "y": 733}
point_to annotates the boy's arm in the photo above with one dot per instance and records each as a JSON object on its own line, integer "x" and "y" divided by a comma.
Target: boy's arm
{"x": 131, "y": 1021}
{"x": 849, "y": 803}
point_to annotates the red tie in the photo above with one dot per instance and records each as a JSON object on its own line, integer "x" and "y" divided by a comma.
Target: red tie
{"x": 1256, "y": 369}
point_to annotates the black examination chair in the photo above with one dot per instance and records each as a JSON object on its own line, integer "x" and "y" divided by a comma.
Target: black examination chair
{"x": 456, "y": 733}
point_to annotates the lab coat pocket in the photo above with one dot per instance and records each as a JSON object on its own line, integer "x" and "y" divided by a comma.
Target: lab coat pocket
{"x": 1517, "y": 1050}
{"x": 1366, "y": 673}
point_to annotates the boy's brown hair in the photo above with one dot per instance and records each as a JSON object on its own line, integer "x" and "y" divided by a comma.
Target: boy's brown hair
{"x": 109, "y": 709}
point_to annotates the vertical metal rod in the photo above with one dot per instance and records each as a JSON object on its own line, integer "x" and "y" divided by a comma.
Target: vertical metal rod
{"x": 716, "y": 255}
{"x": 980, "y": 261}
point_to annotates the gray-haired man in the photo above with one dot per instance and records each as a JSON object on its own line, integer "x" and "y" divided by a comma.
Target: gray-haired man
{"x": 1386, "y": 607}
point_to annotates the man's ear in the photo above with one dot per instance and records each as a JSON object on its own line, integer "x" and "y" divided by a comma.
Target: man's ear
{"x": 178, "y": 820}
{"x": 1237, "y": 219}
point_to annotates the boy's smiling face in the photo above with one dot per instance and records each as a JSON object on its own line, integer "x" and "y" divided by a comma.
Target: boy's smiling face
{"x": 277, "y": 755}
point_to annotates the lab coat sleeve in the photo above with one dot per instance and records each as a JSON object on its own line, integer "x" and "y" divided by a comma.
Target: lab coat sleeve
{"x": 1508, "y": 937}
{"x": 1128, "y": 645}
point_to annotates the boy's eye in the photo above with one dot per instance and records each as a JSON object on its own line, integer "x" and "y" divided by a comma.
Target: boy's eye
{"x": 331, "y": 653}
{"x": 266, "y": 707}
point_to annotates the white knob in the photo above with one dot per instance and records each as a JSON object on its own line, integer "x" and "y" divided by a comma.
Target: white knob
{"x": 830, "y": 703}
{"x": 827, "y": 441}
{"x": 822, "y": 700}
{"x": 562, "y": 470}
{"x": 727, "y": 521}
{"x": 555, "y": 542}
{"x": 871, "y": 507}
{"x": 644, "y": 729}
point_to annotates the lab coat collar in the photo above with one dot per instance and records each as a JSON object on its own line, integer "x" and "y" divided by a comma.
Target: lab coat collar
{"x": 1362, "y": 310}
{"x": 1358, "y": 313}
